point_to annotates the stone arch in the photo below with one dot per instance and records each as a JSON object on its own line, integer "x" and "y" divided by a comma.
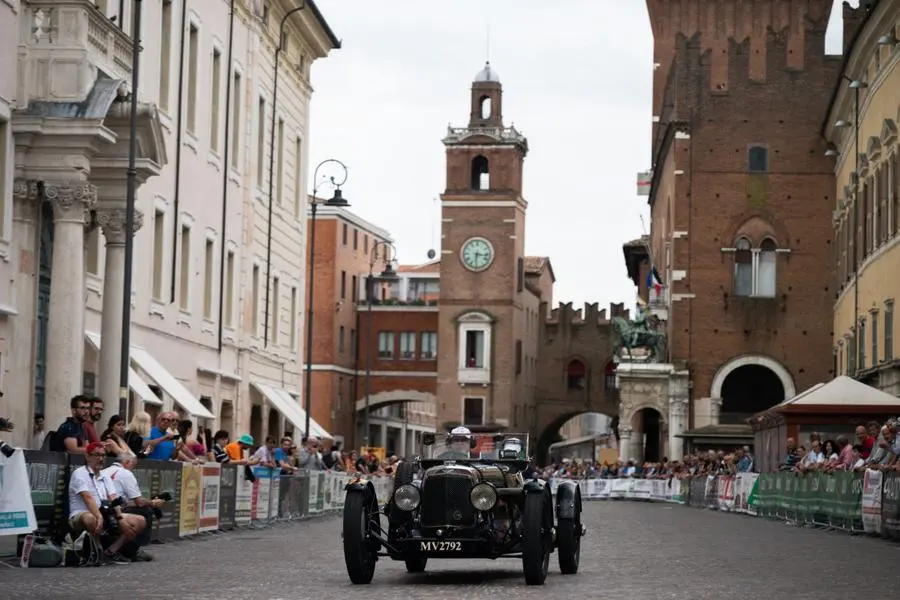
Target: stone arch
{"x": 756, "y": 225}
{"x": 540, "y": 445}
{"x": 735, "y": 363}
{"x": 388, "y": 398}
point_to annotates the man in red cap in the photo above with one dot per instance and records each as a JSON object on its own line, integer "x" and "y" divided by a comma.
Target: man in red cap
{"x": 90, "y": 492}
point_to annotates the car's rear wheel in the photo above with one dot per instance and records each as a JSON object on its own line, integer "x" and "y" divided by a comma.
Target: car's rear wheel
{"x": 359, "y": 554}
{"x": 416, "y": 565}
{"x": 568, "y": 544}
{"x": 537, "y": 538}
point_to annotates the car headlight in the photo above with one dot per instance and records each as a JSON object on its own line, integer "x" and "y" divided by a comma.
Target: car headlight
{"x": 483, "y": 496}
{"x": 407, "y": 497}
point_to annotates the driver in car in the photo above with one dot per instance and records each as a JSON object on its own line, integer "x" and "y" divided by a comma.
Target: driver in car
{"x": 460, "y": 440}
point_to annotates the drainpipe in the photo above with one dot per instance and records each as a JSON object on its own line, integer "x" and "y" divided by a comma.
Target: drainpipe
{"x": 226, "y": 166}
{"x": 178, "y": 142}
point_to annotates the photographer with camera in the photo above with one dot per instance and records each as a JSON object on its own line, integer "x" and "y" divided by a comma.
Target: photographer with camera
{"x": 127, "y": 488}
{"x": 95, "y": 508}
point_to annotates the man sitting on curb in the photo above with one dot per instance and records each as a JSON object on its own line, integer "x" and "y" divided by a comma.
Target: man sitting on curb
{"x": 126, "y": 486}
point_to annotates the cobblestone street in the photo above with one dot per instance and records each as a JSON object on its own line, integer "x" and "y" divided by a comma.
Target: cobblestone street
{"x": 633, "y": 550}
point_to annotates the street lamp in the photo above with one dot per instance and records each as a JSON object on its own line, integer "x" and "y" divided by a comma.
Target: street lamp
{"x": 336, "y": 201}
{"x": 388, "y": 274}
{"x": 278, "y": 50}
{"x": 131, "y": 192}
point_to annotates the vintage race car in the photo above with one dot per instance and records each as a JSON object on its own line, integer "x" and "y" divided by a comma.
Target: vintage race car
{"x": 461, "y": 503}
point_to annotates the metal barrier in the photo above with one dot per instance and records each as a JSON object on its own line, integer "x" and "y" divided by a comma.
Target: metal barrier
{"x": 204, "y": 498}
{"x": 850, "y": 501}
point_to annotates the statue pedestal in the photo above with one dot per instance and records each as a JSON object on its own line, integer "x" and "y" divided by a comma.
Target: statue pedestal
{"x": 652, "y": 386}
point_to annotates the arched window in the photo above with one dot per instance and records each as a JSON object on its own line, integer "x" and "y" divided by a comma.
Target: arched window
{"x": 743, "y": 268}
{"x": 485, "y": 107}
{"x": 576, "y": 375}
{"x": 766, "y": 269}
{"x": 610, "y": 376}
{"x": 481, "y": 177}
{"x": 758, "y": 159}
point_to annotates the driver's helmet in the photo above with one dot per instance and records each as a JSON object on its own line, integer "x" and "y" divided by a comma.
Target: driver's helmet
{"x": 460, "y": 439}
{"x": 511, "y": 448}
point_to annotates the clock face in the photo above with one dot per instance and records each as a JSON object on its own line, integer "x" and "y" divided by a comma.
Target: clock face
{"x": 477, "y": 254}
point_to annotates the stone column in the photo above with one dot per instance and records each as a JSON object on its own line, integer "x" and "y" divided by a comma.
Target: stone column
{"x": 715, "y": 409}
{"x": 624, "y": 442}
{"x": 65, "y": 337}
{"x": 677, "y": 421}
{"x": 383, "y": 438}
{"x": 404, "y": 438}
{"x": 112, "y": 223}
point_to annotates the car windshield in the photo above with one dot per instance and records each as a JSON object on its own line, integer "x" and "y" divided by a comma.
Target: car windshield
{"x": 495, "y": 446}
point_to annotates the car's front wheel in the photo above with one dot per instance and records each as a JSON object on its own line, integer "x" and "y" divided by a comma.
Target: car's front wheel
{"x": 537, "y": 538}
{"x": 416, "y": 565}
{"x": 359, "y": 555}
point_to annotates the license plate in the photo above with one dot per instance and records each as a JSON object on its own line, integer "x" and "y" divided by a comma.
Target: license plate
{"x": 443, "y": 546}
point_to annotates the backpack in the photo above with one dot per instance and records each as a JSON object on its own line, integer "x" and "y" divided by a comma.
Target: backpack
{"x": 85, "y": 551}
{"x": 49, "y": 444}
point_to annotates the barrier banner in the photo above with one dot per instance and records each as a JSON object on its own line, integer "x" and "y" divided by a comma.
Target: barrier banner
{"x": 167, "y": 478}
{"x": 210, "y": 478}
{"x": 189, "y": 521}
{"x": 725, "y": 492}
{"x": 47, "y": 477}
{"x": 274, "y": 493}
{"x": 871, "y": 501}
{"x": 16, "y": 507}
{"x": 313, "y": 494}
{"x": 890, "y": 506}
{"x": 320, "y": 490}
{"x": 259, "y": 508}
{"x": 227, "y": 491}
{"x": 328, "y": 492}
{"x": 243, "y": 498}
{"x": 289, "y": 500}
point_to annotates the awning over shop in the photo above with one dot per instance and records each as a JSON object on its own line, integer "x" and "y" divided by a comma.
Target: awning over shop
{"x": 287, "y": 405}
{"x": 172, "y": 386}
{"x": 137, "y": 385}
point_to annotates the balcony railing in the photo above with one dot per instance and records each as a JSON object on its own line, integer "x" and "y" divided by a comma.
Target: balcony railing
{"x": 398, "y": 303}
{"x": 65, "y": 43}
{"x": 474, "y": 375}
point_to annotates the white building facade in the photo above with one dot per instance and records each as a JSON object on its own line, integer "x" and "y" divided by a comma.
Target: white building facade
{"x": 202, "y": 244}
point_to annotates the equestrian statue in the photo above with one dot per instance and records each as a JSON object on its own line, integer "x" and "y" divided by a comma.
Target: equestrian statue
{"x": 638, "y": 334}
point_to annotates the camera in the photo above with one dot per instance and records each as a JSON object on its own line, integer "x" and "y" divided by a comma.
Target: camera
{"x": 6, "y": 449}
{"x": 107, "y": 510}
{"x": 165, "y": 497}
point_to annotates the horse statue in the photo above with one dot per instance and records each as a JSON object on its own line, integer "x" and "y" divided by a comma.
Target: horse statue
{"x": 638, "y": 335}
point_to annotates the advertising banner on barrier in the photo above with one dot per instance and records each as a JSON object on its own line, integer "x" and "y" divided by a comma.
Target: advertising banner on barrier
{"x": 227, "y": 491}
{"x": 871, "y": 501}
{"x": 16, "y": 507}
{"x": 210, "y": 479}
{"x": 890, "y": 506}
{"x": 259, "y": 508}
{"x": 167, "y": 479}
{"x": 47, "y": 478}
{"x": 243, "y": 498}
{"x": 189, "y": 521}
{"x": 313, "y": 508}
{"x": 274, "y": 493}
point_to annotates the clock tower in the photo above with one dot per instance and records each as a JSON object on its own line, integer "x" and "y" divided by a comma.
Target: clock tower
{"x": 482, "y": 265}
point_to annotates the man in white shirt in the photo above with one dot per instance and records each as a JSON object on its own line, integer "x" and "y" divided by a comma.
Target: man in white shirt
{"x": 126, "y": 487}
{"x": 89, "y": 491}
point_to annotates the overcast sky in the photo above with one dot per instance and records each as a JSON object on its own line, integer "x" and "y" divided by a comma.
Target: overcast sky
{"x": 575, "y": 81}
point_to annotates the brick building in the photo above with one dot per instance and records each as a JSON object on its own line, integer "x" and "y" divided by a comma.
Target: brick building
{"x": 345, "y": 247}
{"x": 741, "y": 199}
